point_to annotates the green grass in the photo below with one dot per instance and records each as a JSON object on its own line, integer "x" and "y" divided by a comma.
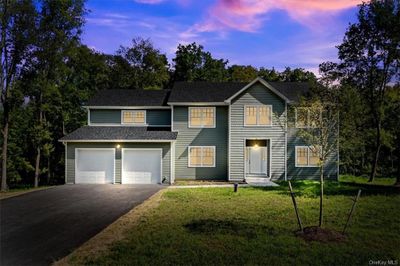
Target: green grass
{"x": 215, "y": 226}
{"x": 381, "y": 181}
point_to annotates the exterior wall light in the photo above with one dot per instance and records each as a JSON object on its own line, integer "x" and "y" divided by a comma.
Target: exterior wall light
{"x": 118, "y": 146}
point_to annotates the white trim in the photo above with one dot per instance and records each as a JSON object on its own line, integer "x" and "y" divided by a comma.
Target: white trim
{"x": 262, "y": 81}
{"x": 308, "y": 158}
{"x": 126, "y": 125}
{"x": 201, "y": 147}
{"x": 88, "y": 117}
{"x": 128, "y": 107}
{"x": 116, "y": 140}
{"x": 141, "y": 149}
{"x": 172, "y": 118}
{"x": 286, "y": 142}
{"x": 203, "y": 126}
{"x": 76, "y": 160}
{"x": 257, "y": 115}
{"x": 197, "y": 103}
{"x": 133, "y": 113}
{"x": 66, "y": 161}
{"x": 269, "y": 145}
{"x": 172, "y": 161}
{"x": 229, "y": 142}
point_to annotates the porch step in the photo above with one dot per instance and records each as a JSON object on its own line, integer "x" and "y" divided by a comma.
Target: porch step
{"x": 260, "y": 182}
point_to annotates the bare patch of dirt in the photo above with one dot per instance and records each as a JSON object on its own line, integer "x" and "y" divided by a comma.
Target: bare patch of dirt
{"x": 315, "y": 233}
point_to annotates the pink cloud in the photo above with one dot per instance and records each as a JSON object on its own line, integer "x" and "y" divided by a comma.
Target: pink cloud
{"x": 248, "y": 15}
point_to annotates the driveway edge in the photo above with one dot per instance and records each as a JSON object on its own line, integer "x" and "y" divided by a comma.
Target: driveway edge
{"x": 8, "y": 195}
{"x": 98, "y": 244}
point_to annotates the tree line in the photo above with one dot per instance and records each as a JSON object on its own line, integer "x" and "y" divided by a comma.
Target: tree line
{"x": 47, "y": 74}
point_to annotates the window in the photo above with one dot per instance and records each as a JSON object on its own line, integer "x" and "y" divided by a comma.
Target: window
{"x": 307, "y": 156}
{"x": 307, "y": 119}
{"x": 202, "y": 156}
{"x": 201, "y": 117}
{"x": 258, "y": 115}
{"x": 134, "y": 117}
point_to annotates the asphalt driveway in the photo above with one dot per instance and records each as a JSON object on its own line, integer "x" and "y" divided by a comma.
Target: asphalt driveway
{"x": 40, "y": 227}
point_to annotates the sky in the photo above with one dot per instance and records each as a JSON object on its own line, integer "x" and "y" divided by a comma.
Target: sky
{"x": 262, "y": 33}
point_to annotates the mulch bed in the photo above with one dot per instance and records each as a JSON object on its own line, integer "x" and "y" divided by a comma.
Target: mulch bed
{"x": 315, "y": 233}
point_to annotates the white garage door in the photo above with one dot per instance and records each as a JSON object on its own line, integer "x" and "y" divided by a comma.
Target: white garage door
{"x": 94, "y": 166}
{"x": 141, "y": 166}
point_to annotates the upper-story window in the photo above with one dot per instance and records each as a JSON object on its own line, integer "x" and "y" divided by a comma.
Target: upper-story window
{"x": 305, "y": 118}
{"x": 258, "y": 115}
{"x": 133, "y": 117}
{"x": 200, "y": 117}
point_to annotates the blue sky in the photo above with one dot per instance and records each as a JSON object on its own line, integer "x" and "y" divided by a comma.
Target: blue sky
{"x": 269, "y": 33}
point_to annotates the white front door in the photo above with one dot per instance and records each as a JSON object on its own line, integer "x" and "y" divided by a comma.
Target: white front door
{"x": 257, "y": 160}
{"x": 141, "y": 166}
{"x": 94, "y": 166}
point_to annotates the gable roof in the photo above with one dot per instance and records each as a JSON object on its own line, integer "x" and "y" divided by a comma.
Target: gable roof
{"x": 119, "y": 133}
{"x": 129, "y": 97}
{"x": 224, "y": 92}
{"x": 203, "y": 91}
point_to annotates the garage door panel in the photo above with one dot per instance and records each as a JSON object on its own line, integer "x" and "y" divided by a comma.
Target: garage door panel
{"x": 141, "y": 166}
{"x": 94, "y": 166}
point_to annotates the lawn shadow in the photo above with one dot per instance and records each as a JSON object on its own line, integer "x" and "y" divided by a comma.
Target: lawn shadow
{"x": 308, "y": 188}
{"x": 229, "y": 227}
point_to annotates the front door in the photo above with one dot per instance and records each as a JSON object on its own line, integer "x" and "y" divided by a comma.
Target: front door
{"x": 257, "y": 160}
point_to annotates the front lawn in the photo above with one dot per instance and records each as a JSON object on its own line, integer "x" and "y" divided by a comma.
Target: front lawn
{"x": 215, "y": 226}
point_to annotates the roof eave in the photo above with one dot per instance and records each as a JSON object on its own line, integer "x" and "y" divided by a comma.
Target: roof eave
{"x": 118, "y": 140}
{"x": 262, "y": 81}
{"x": 197, "y": 103}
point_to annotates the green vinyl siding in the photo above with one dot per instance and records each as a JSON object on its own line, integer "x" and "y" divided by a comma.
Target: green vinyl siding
{"x": 158, "y": 117}
{"x": 217, "y": 137}
{"x": 154, "y": 117}
{"x": 98, "y": 116}
{"x": 71, "y": 146}
{"x": 331, "y": 167}
{"x": 258, "y": 94}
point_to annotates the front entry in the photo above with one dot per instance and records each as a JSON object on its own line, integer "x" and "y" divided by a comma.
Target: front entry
{"x": 257, "y": 157}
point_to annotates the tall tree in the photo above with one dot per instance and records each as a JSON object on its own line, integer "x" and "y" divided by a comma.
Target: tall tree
{"x": 370, "y": 60}
{"x": 242, "y": 73}
{"x": 141, "y": 65}
{"x": 59, "y": 28}
{"x": 192, "y": 63}
{"x": 17, "y": 18}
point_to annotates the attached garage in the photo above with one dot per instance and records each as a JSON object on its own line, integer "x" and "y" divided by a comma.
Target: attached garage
{"x": 94, "y": 165}
{"x": 141, "y": 166}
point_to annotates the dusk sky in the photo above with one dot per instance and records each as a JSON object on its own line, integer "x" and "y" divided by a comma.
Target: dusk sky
{"x": 269, "y": 33}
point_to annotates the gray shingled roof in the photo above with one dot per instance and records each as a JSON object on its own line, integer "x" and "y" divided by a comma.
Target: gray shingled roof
{"x": 220, "y": 91}
{"x": 120, "y": 133}
{"x": 129, "y": 98}
{"x": 202, "y": 91}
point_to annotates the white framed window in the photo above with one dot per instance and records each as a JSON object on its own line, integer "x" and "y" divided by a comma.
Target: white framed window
{"x": 201, "y": 156}
{"x": 304, "y": 118}
{"x": 307, "y": 156}
{"x": 133, "y": 117}
{"x": 258, "y": 115}
{"x": 201, "y": 117}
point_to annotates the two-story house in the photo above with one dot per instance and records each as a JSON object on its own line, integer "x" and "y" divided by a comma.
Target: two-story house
{"x": 198, "y": 130}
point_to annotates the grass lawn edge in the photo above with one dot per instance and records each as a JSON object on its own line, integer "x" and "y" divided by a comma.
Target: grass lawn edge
{"x": 100, "y": 243}
{"x": 11, "y": 194}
